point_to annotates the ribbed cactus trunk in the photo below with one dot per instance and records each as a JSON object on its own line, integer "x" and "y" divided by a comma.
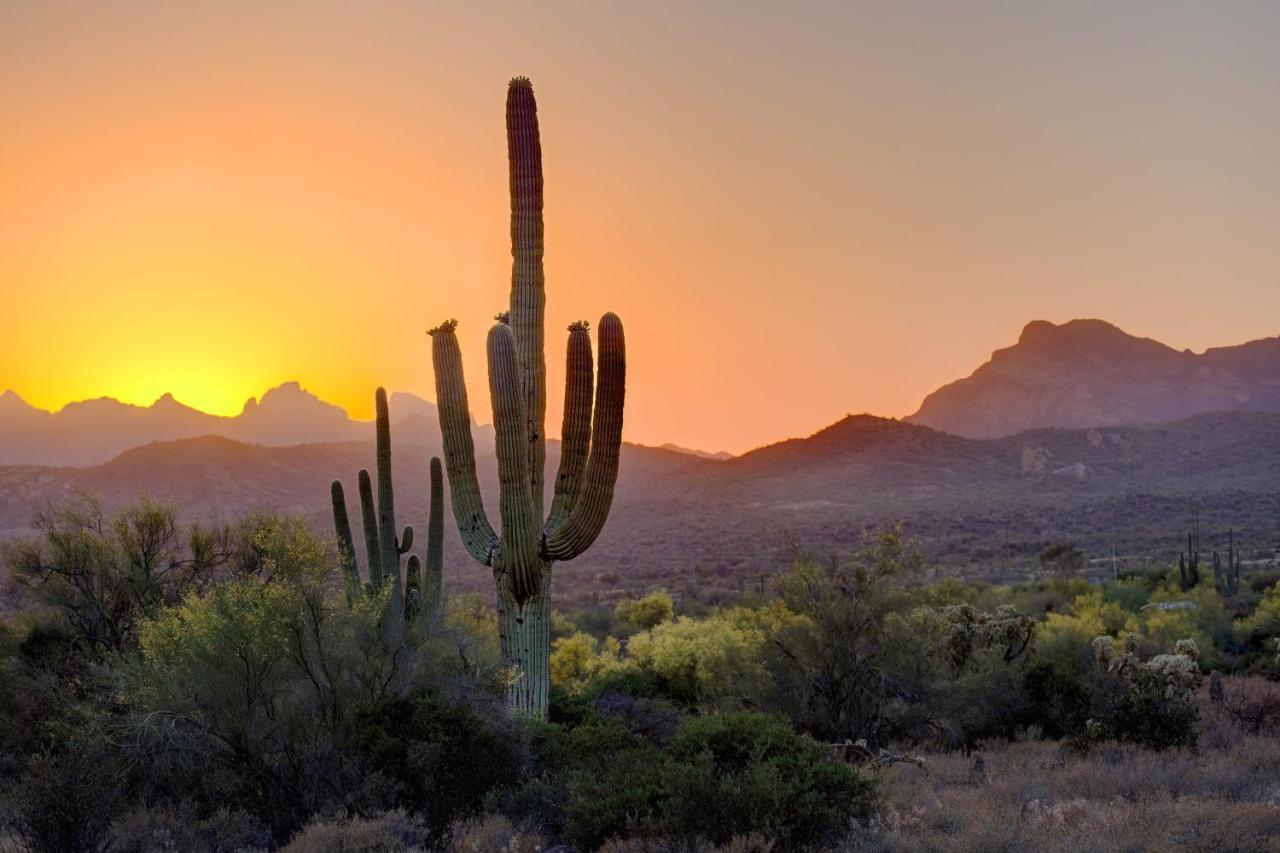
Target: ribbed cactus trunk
{"x": 591, "y": 435}
{"x": 433, "y": 569}
{"x": 388, "y": 546}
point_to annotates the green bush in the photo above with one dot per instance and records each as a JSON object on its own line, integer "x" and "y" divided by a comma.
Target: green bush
{"x": 443, "y": 757}
{"x": 742, "y": 773}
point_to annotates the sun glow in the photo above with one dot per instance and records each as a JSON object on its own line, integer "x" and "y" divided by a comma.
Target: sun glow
{"x": 211, "y": 199}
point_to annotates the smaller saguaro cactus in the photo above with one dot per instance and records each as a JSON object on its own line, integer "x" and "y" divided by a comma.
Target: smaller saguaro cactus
{"x": 1216, "y": 693}
{"x": 1227, "y": 578}
{"x": 383, "y": 548}
{"x": 1189, "y": 563}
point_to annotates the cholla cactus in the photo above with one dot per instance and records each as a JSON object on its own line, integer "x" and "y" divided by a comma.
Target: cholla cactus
{"x": 591, "y": 437}
{"x": 382, "y": 547}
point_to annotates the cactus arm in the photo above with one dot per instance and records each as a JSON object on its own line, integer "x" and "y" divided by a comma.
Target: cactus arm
{"x": 346, "y": 545}
{"x": 405, "y": 542}
{"x": 520, "y": 523}
{"x": 459, "y": 448}
{"x": 387, "y": 524}
{"x": 528, "y": 296}
{"x": 575, "y": 430}
{"x": 433, "y": 567}
{"x": 412, "y": 589}
{"x": 587, "y": 518}
{"x": 369, "y": 518}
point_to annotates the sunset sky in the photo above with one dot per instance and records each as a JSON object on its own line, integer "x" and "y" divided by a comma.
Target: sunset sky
{"x": 798, "y": 210}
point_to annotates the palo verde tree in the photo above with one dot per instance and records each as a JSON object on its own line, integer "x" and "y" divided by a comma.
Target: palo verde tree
{"x": 591, "y": 436}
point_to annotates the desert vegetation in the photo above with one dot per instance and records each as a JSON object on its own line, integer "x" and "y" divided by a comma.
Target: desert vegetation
{"x": 173, "y": 686}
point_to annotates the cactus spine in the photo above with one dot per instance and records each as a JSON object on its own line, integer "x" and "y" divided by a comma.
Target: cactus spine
{"x": 382, "y": 547}
{"x": 591, "y": 435}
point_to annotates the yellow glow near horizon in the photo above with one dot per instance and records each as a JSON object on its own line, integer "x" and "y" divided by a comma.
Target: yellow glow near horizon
{"x": 797, "y": 214}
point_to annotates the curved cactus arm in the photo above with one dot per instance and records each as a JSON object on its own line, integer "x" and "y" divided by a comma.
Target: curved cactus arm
{"x": 369, "y": 518}
{"x": 587, "y": 518}
{"x": 387, "y": 523}
{"x": 346, "y": 545}
{"x": 459, "y": 449}
{"x": 520, "y": 523}
{"x": 433, "y": 566}
{"x": 528, "y": 296}
{"x": 405, "y": 543}
{"x": 575, "y": 429}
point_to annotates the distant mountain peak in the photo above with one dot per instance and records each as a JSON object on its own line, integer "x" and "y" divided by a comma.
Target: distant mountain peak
{"x": 10, "y": 401}
{"x": 718, "y": 456}
{"x": 1088, "y": 372}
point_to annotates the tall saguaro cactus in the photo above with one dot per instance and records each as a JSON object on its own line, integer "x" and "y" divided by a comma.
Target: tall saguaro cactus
{"x": 383, "y": 547}
{"x": 591, "y": 435}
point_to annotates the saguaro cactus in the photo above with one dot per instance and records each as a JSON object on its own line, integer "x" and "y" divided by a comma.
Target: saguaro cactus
{"x": 382, "y": 546}
{"x": 1189, "y": 565}
{"x": 591, "y": 436}
{"x": 1227, "y": 579}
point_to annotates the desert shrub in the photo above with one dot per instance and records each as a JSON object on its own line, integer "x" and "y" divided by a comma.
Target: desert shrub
{"x": 1252, "y": 704}
{"x": 743, "y": 773}
{"x": 654, "y": 719}
{"x": 388, "y": 832}
{"x": 1128, "y": 594}
{"x": 102, "y": 575}
{"x": 1263, "y": 623}
{"x": 573, "y": 659}
{"x": 495, "y": 834}
{"x": 271, "y": 673}
{"x": 1059, "y": 696}
{"x": 1145, "y": 702}
{"x": 834, "y": 667}
{"x": 616, "y": 785}
{"x": 644, "y": 613}
{"x": 181, "y": 830}
{"x": 1063, "y": 559}
{"x": 67, "y": 797}
{"x": 697, "y": 661}
{"x": 442, "y": 756}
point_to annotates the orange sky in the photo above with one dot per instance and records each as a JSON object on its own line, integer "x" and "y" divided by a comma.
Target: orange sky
{"x": 797, "y": 214}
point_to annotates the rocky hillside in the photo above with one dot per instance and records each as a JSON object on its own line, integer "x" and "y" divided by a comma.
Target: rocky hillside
{"x": 1087, "y": 373}
{"x": 709, "y": 527}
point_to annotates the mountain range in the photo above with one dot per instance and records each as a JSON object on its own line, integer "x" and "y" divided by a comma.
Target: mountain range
{"x": 94, "y": 431}
{"x": 1088, "y": 373}
{"x": 990, "y": 471}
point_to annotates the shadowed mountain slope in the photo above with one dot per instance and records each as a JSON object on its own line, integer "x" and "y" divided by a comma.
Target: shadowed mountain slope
{"x": 1088, "y": 373}
{"x": 709, "y": 527}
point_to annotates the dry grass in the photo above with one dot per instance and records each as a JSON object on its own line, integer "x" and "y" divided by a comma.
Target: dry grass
{"x": 1224, "y": 796}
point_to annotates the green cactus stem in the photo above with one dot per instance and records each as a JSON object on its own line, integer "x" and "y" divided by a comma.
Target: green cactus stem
{"x": 412, "y": 589}
{"x": 433, "y": 566}
{"x": 369, "y": 518}
{"x": 591, "y": 431}
{"x": 346, "y": 545}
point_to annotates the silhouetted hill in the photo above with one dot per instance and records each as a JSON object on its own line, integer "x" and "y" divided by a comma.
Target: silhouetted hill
{"x": 93, "y": 431}
{"x": 707, "y": 527}
{"x": 1089, "y": 373}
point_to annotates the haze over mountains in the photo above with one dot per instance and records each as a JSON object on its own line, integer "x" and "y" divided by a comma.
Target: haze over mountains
{"x": 1089, "y": 373}
{"x": 95, "y": 431}
{"x": 689, "y": 520}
